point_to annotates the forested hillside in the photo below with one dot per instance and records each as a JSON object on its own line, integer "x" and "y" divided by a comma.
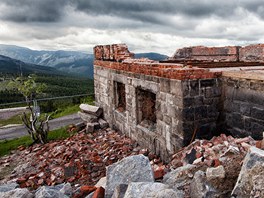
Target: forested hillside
{"x": 56, "y": 86}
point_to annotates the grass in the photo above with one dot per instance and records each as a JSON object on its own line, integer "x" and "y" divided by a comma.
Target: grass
{"x": 66, "y": 111}
{"x": 8, "y": 145}
{"x": 72, "y": 109}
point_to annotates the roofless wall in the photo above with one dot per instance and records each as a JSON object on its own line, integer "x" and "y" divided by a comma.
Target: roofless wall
{"x": 164, "y": 106}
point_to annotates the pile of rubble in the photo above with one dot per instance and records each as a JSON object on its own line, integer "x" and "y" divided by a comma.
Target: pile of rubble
{"x": 132, "y": 177}
{"x": 98, "y": 162}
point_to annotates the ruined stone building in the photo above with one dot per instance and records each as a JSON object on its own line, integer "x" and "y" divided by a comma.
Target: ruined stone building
{"x": 197, "y": 93}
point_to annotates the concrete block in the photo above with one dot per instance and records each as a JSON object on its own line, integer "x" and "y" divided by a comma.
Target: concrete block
{"x": 93, "y": 110}
{"x": 103, "y": 123}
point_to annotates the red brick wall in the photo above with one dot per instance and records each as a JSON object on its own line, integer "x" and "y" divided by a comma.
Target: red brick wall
{"x": 172, "y": 71}
{"x": 115, "y": 52}
{"x": 252, "y": 53}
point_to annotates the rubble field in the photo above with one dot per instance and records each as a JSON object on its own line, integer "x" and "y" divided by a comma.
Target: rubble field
{"x": 206, "y": 167}
{"x": 80, "y": 159}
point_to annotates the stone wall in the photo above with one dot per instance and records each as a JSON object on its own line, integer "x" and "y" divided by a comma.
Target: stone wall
{"x": 182, "y": 108}
{"x": 243, "y": 106}
{"x": 251, "y": 53}
{"x": 165, "y": 106}
{"x": 201, "y": 53}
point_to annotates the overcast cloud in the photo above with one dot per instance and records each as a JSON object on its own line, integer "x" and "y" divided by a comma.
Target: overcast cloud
{"x": 145, "y": 25}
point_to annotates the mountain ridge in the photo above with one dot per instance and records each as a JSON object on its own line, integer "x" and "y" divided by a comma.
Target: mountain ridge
{"x": 16, "y": 67}
{"x": 72, "y": 62}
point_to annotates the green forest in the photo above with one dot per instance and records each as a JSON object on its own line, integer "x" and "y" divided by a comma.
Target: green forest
{"x": 57, "y": 85}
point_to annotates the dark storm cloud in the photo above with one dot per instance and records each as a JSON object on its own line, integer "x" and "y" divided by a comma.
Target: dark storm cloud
{"x": 191, "y": 8}
{"x": 33, "y": 10}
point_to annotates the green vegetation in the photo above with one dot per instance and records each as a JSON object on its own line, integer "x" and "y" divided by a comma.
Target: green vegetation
{"x": 56, "y": 86}
{"x": 8, "y": 145}
{"x": 37, "y": 126}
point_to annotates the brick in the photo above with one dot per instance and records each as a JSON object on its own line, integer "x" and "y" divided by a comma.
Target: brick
{"x": 99, "y": 193}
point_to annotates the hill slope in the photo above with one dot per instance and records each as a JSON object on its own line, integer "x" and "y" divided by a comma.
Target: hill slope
{"x": 68, "y": 61}
{"x": 72, "y": 62}
{"x": 9, "y": 66}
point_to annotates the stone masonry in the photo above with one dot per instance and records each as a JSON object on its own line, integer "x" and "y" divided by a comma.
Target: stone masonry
{"x": 165, "y": 106}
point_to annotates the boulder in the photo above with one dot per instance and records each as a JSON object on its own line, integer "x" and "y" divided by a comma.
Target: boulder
{"x": 49, "y": 192}
{"x": 149, "y": 190}
{"x": 135, "y": 168}
{"x": 92, "y": 110}
{"x": 17, "y": 193}
{"x": 101, "y": 182}
{"x": 120, "y": 191}
{"x": 250, "y": 182}
{"x": 66, "y": 189}
{"x": 215, "y": 173}
{"x": 87, "y": 117}
{"x": 180, "y": 178}
{"x": 198, "y": 187}
{"x": 8, "y": 187}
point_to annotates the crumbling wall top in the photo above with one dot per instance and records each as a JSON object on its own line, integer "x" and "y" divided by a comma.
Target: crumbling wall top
{"x": 114, "y": 52}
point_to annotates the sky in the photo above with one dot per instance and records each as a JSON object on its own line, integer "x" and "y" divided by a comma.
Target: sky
{"x": 144, "y": 25}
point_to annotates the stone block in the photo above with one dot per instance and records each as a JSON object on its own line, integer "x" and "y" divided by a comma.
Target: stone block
{"x": 120, "y": 191}
{"x": 251, "y": 181}
{"x": 103, "y": 123}
{"x": 257, "y": 113}
{"x": 207, "y": 82}
{"x": 165, "y": 85}
{"x": 215, "y": 173}
{"x": 176, "y": 87}
{"x": 17, "y": 193}
{"x": 90, "y": 127}
{"x": 87, "y": 117}
{"x": 194, "y": 88}
{"x": 178, "y": 178}
{"x": 131, "y": 169}
{"x": 93, "y": 110}
{"x": 151, "y": 190}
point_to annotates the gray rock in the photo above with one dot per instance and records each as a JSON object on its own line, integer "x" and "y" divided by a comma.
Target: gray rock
{"x": 166, "y": 193}
{"x": 93, "y": 110}
{"x": 87, "y": 117}
{"x": 120, "y": 191}
{"x": 250, "y": 182}
{"x": 130, "y": 169}
{"x": 181, "y": 177}
{"x": 17, "y": 193}
{"x": 80, "y": 126}
{"x": 49, "y": 192}
{"x": 103, "y": 124}
{"x": 8, "y": 187}
{"x": 90, "y": 127}
{"x": 66, "y": 189}
{"x": 101, "y": 182}
{"x": 215, "y": 173}
{"x": 199, "y": 187}
{"x": 149, "y": 190}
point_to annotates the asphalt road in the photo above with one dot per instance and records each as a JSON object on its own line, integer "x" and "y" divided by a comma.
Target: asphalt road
{"x": 19, "y": 131}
